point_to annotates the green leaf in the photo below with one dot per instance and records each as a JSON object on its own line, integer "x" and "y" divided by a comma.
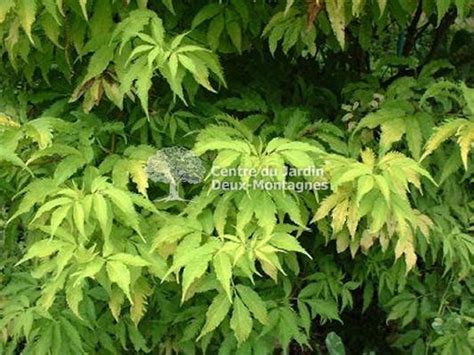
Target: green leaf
{"x": 129, "y": 259}
{"x": 298, "y": 159}
{"x": 240, "y": 322}
{"x": 383, "y": 187}
{"x": 414, "y": 137}
{"x": 220, "y": 213}
{"x": 124, "y": 203}
{"x": 442, "y": 7}
{"x": 101, "y": 213}
{"x": 325, "y": 308}
{"x": 72, "y": 334}
{"x": 216, "y": 27}
{"x": 223, "y": 268}
{"x": 336, "y": 13}
{"x": 68, "y": 167}
{"x": 58, "y": 216}
{"x": 392, "y": 131}
{"x": 207, "y": 12}
{"x": 194, "y": 269}
{"x": 364, "y": 185}
{"x": 139, "y": 175}
{"x": 334, "y": 344}
{"x": 51, "y": 205}
{"x": 89, "y": 270}
{"x": 51, "y": 29}
{"x": 143, "y": 85}
{"x": 254, "y": 303}
{"x": 382, "y": 5}
{"x": 289, "y": 4}
{"x": 215, "y": 314}
{"x": 235, "y": 34}
{"x": 287, "y": 242}
{"x": 442, "y": 134}
{"x": 26, "y": 10}
{"x": 99, "y": 62}
{"x": 286, "y": 203}
{"x": 275, "y": 35}
{"x": 78, "y": 214}
{"x": 353, "y": 172}
{"x": 241, "y": 7}
{"x": 42, "y": 249}
{"x": 169, "y": 5}
{"x": 5, "y": 7}
{"x": 265, "y": 211}
{"x": 380, "y": 214}
{"x": 83, "y": 4}
{"x": 115, "y": 302}
{"x": 119, "y": 274}
{"x": 74, "y": 296}
{"x": 468, "y": 97}
{"x": 140, "y": 293}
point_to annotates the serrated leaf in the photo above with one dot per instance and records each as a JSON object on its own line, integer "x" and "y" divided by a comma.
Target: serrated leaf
{"x": 392, "y": 131}
{"x": 326, "y": 206}
{"x": 379, "y": 215}
{"x": 83, "y": 4}
{"x": 216, "y": 313}
{"x": 68, "y": 167}
{"x": 143, "y": 85}
{"x": 442, "y": 134}
{"x": 223, "y": 268}
{"x": 5, "y": 8}
{"x": 101, "y": 213}
{"x": 383, "y": 187}
{"x": 225, "y": 158}
{"x": 299, "y": 159}
{"x": 325, "y": 308}
{"x": 235, "y": 33}
{"x": 115, "y": 302}
{"x": 79, "y": 219}
{"x": 193, "y": 270}
{"x": 254, "y": 303}
{"x": 124, "y": 203}
{"x": 336, "y": 14}
{"x": 42, "y": 249}
{"x": 442, "y": 7}
{"x": 287, "y": 242}
{"x": 74, "y": 296}
{"x": 139, "y": 176}
{"x": 140, "y": 292}
{"x": 240, "y": 322}
{"x": 414, "y": 137}
{"x": 216, "y": 27}
{"x": 353, "y": 172}
{"x": 129, "y": 259}
{"x": 265, "y": 212}
{"x": 334, "y": 344}
{"x": 205, "y": 13}
{"x": 364, "y": 185}
{"x": 26, "y": 10}
{"x": 119, "y": 274}
{"x": 286, "y": 203}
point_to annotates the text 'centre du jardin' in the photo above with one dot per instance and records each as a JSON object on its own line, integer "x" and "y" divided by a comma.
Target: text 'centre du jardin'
{"x": 268, "y": 179}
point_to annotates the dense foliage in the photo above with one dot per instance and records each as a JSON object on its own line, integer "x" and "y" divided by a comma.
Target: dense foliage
{"x": 104, "y": 254}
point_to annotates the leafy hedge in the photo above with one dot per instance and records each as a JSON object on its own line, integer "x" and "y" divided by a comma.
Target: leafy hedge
{"x": 376, "y": 94}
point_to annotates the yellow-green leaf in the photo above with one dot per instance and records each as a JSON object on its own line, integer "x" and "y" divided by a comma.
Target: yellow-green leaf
{"x": 240, "y": 322}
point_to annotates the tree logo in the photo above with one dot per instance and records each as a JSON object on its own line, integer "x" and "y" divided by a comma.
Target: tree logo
{"x": 173, "y": 165}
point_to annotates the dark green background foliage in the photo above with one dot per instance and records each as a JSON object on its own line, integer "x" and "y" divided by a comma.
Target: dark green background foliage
{"x": 378, "y": 93}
